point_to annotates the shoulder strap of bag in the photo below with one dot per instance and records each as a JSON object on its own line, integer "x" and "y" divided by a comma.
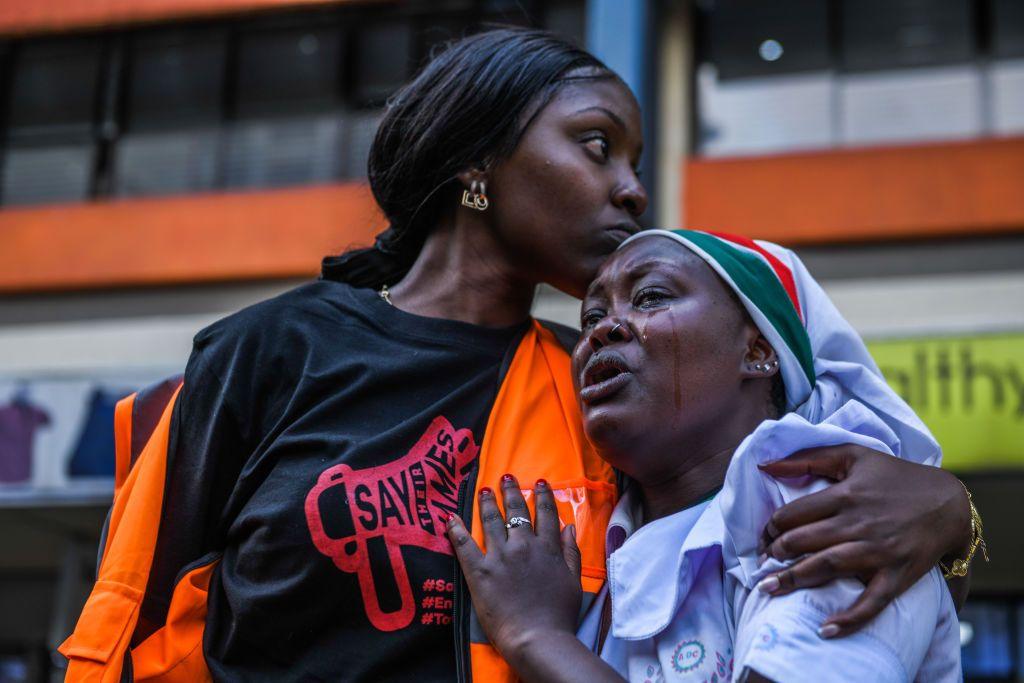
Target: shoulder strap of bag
{"x": 98, "y": 647}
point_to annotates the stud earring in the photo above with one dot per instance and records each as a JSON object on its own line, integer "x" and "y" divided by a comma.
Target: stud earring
{"x": 476, "y": 196}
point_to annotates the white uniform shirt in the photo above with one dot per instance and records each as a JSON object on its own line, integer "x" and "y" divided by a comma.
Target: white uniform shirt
{"x": 684, "y": 607}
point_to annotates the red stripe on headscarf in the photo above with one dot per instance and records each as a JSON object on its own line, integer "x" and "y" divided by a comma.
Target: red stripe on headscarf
{"x": 782, "y": 271}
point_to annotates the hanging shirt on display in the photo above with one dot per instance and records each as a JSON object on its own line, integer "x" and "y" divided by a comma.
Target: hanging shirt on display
{"x": 94, "y": 453}
{"x": 19, "y": 422}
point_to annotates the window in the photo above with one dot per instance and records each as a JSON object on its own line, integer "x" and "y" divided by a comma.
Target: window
{"x": 174, "y": 96}
{"x": 804, "y": 74}
{"x": 288, "y": 118}
{"x": 361, "y": 129}
{"x": 176, "y": 79}
{"x": 753, "y": 38}
{"x": 763, "y": 83}
{"x": 272, "y": 100}
{"x": 882, "y": 34}
{"x": 1007, "y": 69}
{"x": 986, "y": 636}
{"x": 35, "y": 174}
{"x": 382, "y": 61}
{"x": 1007, "y": 22}
{"x": 284, "y": 70}
{"x": 285, "y": 151}
{"x": 167, "y": 162}
{"x": 51, "y": 152}
{"x": 54, "y": 87}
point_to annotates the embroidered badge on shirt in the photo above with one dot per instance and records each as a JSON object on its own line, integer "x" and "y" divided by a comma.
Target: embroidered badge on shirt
{"x": 688, "y": 656}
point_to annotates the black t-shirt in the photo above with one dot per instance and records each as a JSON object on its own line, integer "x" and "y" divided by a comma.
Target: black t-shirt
{"x": 318, "y": 444}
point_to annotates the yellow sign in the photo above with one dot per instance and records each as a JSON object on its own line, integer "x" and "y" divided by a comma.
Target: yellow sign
{"x": 968, "y": 390}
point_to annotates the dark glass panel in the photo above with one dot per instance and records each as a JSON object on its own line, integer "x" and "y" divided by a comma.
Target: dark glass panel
{"x": 292, "y": 69}
{"x": 1007, "y": 28}
{"x": 176, "y": 78}
{"x": 383, "y": 57}
{"x": 54, "y": 85}
{"x": 883, "y": 34}
{"x": 755, "y": 38}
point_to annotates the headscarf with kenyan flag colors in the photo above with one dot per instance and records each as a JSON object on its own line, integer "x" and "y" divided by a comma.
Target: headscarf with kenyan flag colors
{"x": 823, "y": 361}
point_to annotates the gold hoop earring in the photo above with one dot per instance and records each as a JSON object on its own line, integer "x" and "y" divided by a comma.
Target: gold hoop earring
{"x": 476, "y": 197}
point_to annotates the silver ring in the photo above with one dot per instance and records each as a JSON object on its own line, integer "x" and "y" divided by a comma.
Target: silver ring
{"x": 617, "y": 326}
{"x": 513, "y": 522}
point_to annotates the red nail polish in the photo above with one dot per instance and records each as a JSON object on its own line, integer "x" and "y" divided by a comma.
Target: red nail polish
{"x": 450, "y": 517}
{"x": 485, "y": 491}
{"x": 541, "y": 484}
{"x": 508, "y": 478}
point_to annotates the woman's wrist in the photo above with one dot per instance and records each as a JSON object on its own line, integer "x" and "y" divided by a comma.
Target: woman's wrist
{"x": 958, "y": 507}
{"x": 548, "y": 655}
{"x": 957, "y": 564}
{"x": 529, "y": 641}
{"x": 531, "y": 646}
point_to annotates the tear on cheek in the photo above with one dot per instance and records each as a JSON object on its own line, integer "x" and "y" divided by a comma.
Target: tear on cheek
{"x": 642, "y": 328}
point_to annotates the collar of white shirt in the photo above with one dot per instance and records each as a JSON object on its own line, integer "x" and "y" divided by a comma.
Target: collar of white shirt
{"x": 647, "y": 584}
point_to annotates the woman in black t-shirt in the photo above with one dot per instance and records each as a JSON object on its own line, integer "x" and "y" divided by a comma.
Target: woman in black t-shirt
{"x": 320, "y": 436}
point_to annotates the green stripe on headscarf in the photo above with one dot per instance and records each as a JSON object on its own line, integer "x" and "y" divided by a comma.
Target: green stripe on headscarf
{"x": 758, "y": 283}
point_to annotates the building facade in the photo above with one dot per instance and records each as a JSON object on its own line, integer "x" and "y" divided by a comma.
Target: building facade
{"x": 167, "y": 162}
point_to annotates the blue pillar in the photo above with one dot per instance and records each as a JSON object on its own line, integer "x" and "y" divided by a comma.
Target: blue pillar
{"x": 619, "y": 34}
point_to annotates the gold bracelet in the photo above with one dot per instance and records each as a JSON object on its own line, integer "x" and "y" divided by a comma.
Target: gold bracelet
{"x": 960, "y": 567}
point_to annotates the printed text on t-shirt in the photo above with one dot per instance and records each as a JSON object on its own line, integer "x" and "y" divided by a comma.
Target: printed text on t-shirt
{"x": 405, "y": 503}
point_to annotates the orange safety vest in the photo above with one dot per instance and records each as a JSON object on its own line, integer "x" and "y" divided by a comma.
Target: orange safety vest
{"x": 534, "y": 431}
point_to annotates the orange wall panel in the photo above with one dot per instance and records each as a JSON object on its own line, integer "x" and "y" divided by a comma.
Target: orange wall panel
{"x": 201, "y": 238}
{"x": 36, "y": 16}
{"x": 919, "y": 191}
